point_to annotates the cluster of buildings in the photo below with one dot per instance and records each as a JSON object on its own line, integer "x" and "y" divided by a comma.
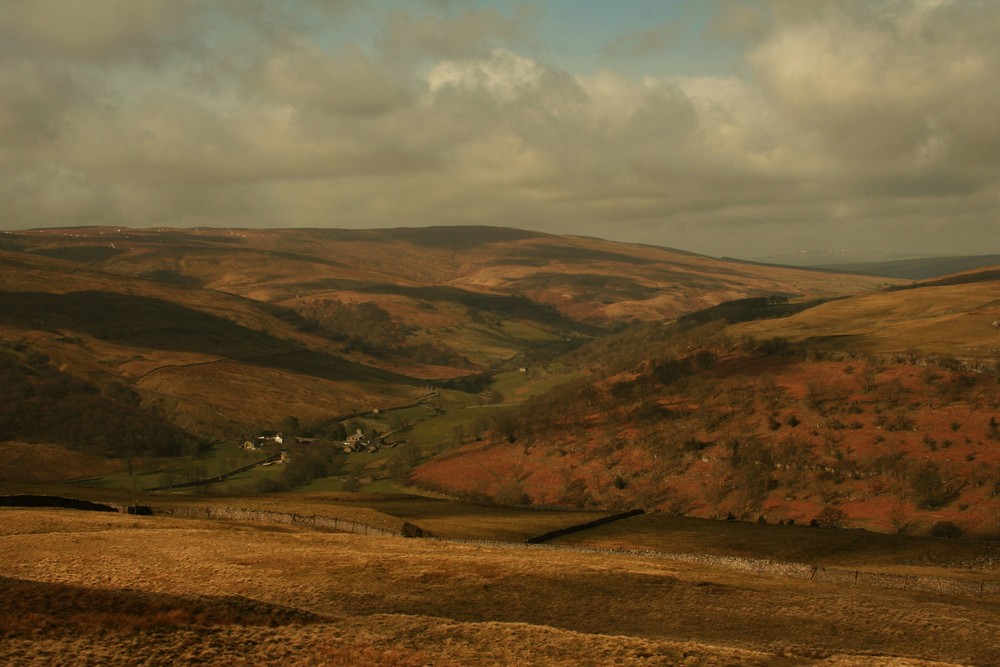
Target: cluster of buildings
{"x": 359, "y": 441}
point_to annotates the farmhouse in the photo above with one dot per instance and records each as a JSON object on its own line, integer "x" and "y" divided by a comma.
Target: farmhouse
{"x": 270, "y": 438}
{"x": 360, "y": 442}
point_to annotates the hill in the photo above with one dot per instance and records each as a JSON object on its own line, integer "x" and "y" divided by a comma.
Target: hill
{"x": 211, "y": 363}
{"x": 455, "y": 297}
{"x": 876, "y": 411}
{"x": 116, "y": 589}
{"x": 952, "y": 316}
{"x": 915, "y": 269}
{"x": 224, "y": 333}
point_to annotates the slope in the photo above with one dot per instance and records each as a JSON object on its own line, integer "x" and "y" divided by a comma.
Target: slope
{"x": 916, "y": 269}
{"x": 773, "y": 419}
{"x": 454, "y": 297}
{"x": 213, "y": 363}
{"x": 953, "y": 316}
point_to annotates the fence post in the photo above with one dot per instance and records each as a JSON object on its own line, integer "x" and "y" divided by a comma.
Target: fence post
{"x": 981, "y": 583}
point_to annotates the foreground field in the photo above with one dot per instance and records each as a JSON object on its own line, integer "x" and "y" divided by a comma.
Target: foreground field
{"x": 86, "y": 588}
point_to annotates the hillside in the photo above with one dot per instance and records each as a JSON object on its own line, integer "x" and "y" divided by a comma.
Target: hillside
{"x": 951, "y": 316}
{"x": 114, "y": 589}
{"x": 446, "y": 297}
{"x": 877, "y": 411}
{"x": 223, "y": 333}
{"x": 915, "y": 269}
{"x": 211, "y": 363}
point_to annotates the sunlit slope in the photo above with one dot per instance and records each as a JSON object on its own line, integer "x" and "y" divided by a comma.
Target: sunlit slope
{"x": 954, "y": 316}
{"x": 115, "y": 589}
{"x": 212, "y": 362}
{"x": 585, "y": 279}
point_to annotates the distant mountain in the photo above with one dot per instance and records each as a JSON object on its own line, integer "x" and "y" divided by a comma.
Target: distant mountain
{"x": 831, "y": 256}
{"x": 915, "y": 269}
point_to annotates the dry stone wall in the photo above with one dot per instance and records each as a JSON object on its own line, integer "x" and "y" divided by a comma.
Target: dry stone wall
{"x": 980, "y": 588}
{"x": 290, "y": 519}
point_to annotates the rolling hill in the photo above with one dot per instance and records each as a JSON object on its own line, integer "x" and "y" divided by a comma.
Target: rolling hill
{"x": 436, "y": 269}
{"x": 877, "y": 411}
{"x": 226, "y": 332}
{"x": 212, "y": 363}
{"x": 915, "y": 269}
{"x": 952, "y": 316}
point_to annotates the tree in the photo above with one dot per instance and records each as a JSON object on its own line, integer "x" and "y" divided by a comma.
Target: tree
{"x": 411, "y": 454}
{"x": 867, "y": 380}
{"x": 289, "y": 427}
{"x": 831, "y": 517}
{"x": 928, "y": 488}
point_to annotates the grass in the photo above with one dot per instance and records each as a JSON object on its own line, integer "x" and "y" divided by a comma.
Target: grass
{"x": 942, "y": 320}
{"x": 237, "y": 594}
{"x": 463, "y": 520}
{"x": 805, "y": 544}
{"x": 517, "y": 386}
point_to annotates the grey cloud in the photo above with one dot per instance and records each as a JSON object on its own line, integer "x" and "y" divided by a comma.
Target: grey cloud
{"x": 468, "y": 34}
{"x": 644, "y": 42}
{"x": 738, "y": 20}
{"x": 859, "y": 122}
{"x": 300, "y": 74}
{"x": 98, "y": 31}
{"x": 898, "y": 96}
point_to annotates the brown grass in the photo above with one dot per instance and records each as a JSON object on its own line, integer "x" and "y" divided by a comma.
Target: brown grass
{"x": 35, "y": 462}
{"x": 209, "y": 592}
{"x": 944, "y": 320}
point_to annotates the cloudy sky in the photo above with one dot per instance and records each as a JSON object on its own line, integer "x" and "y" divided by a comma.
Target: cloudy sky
{"x": 745, "y": 128}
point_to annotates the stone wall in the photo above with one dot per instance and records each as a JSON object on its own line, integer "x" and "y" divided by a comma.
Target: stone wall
{"x": 977, "y": 588}
{"x": 290, "y": 519}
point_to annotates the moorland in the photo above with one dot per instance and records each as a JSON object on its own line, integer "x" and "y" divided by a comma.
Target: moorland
{"x": 501, "y": 383}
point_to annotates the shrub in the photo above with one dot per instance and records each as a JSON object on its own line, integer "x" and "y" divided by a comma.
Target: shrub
{"x": 946, "y": 529}
{"x": 831, "y": 517}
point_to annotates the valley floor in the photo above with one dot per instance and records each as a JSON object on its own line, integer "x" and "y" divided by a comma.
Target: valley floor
{"x": 88, "y": 588}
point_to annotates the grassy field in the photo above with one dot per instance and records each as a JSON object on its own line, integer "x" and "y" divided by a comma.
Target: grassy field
{"x": 92, "y": 588}
{"x": 932, "y": 319}
{"x": 804, "y": 544}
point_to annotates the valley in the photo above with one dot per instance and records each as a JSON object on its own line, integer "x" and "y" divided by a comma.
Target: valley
{"x": 488, "y": 385}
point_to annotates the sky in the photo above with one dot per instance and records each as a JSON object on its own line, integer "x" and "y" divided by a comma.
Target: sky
{"x": 742, "y": 128}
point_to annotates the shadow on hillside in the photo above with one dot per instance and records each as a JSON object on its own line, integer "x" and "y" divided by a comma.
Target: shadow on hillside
{"x": 33, "y": 606}
{"x": 507, "y": 306}
{"x": 146, "y": 322}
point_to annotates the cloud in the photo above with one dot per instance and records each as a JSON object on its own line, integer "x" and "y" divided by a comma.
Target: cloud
{"x": 903, "y": 89}
{"x": 738, "y": 20}
{"x": 98, "y": 31}
{"x": 299, "y": 74}
{"x": 472, "y": 33}
{"x": 845, "y": 123}
{"x": 644, "y": 42}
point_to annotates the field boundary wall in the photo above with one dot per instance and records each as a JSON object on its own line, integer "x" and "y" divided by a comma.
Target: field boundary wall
{"x": 559, "y": 532}
{"x": 857, "y": 577}
{"x": 289, "y": 519}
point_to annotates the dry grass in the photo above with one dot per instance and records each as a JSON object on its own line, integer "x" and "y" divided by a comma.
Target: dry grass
{"x": 35, "y": 462}
{"x": 948, "y": 320}
{"x": 233, "y": 594}
{"x": 805, "y": 544}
